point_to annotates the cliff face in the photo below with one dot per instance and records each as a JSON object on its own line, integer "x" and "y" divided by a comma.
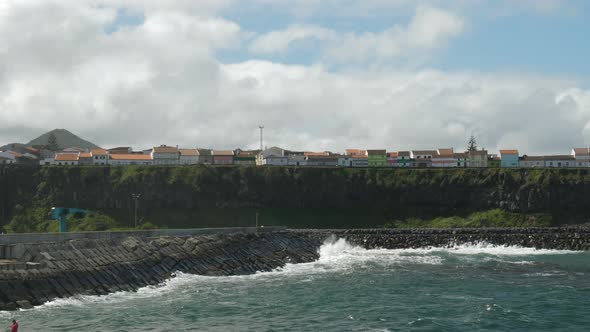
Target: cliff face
{"x": 365, "y": 196}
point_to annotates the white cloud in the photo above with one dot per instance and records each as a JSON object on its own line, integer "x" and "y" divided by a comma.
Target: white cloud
{"x": 429, "y": 29}
{"x": 160, "y": 82}
{"x": 279, "y": 41}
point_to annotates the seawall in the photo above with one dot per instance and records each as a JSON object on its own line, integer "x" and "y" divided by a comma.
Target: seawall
{"x": 557, "y": 238}
{"x": 42, "y": 271}
{"x": 39, "y": 272}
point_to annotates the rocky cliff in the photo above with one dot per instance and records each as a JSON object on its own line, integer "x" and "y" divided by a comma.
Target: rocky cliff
{"x": 296, "y": 197}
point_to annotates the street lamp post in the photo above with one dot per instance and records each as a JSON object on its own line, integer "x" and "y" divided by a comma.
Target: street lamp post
{"x": 136, "y": 201}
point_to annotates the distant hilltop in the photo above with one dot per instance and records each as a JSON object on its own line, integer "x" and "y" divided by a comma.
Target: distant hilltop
{"x": 60, "y": 138}
{"x": 63, "y": 138}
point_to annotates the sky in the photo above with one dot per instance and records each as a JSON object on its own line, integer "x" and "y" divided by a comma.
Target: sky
{"x": 318, "y": 74}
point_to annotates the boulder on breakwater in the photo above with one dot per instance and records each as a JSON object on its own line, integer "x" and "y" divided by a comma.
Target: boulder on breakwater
{"x": 559, "y": 238}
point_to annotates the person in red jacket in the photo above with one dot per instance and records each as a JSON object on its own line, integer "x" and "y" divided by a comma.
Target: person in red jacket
{"x": 14, "y": 326}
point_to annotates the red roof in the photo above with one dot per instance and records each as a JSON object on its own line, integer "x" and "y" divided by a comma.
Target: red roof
{"x": 508, "y": 151}
{"x": 66, "y": 157}
{"x": 128, "y": 156}
{"x": 316, "y": 154}
{"x": 98, "y": 152}
{"x": 223, "y": 153}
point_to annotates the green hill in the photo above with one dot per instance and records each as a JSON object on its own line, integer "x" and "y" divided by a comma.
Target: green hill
{"x": 64, "y": 138}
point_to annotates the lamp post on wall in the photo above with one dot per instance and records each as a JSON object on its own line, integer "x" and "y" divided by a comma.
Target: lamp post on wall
{"x": 136, "y": 202}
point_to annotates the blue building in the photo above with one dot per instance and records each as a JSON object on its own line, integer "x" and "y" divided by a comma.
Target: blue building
{"x": 509, "y": 158}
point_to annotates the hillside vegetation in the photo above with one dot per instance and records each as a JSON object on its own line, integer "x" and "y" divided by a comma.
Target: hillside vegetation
{"x": 201, "y": 196}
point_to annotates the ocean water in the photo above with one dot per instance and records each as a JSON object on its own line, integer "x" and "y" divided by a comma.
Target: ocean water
{"x": 465, "y": 288}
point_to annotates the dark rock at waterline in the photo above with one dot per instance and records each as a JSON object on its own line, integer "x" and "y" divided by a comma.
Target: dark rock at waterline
{"x": 40, "y": 272}
{"x": 567, "y": 238}
{"x": 46, "y": 271}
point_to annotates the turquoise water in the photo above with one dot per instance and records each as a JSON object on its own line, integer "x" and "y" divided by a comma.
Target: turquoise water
{"x": 467, "y": 288}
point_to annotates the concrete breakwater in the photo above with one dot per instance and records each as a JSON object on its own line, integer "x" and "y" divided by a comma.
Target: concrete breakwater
{"x": 34, "y": 273}
{"x": 559, "y": 238}
{"x": 41, "y": 272}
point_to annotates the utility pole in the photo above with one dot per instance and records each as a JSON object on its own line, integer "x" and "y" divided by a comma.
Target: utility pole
{"x": 136, "y": 201}
{"x": 261, "y": 146}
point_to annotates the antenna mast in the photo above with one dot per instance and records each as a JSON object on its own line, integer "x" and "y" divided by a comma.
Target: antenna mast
{"x": 261, "y": 146}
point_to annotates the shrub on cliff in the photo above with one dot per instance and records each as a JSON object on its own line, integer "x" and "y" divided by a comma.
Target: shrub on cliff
{"x": 490, "y": 218}
{"x": 31, "y": 220}
{"x": 37, "y": 220}
{"x": 91, "y": 223}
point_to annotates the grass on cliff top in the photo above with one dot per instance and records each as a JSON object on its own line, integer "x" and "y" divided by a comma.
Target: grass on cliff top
{"x": 491, "y": 218}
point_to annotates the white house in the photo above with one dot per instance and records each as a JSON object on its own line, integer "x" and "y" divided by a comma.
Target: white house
{"x": 531, "y": 161}
{"x": 121, "y": 159}
{"x": 354, "y": 158}
{"x": 422, "y": 158}
{"x": 296, "y": 159}
{"x": 345, "y": 161}
{"x": 561, "y": 161}
{"x": 582, "y": 157}
{"x": 7, "y": 158}
{"x": 189, "y": 156}
{"x": 47, "y": 161}
{"x": 272, "y": 156}
{"x": 165, "y": 155}
{"x": 444, "y": 158}
{"x": 64, "y": 159}
{"x": 99, "y": 157}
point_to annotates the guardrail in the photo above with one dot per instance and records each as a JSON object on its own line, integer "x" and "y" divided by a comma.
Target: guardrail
{"x": 11, "y": 239}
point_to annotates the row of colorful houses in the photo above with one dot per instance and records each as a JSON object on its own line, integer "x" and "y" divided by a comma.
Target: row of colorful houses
{"x": 160, "y": 155}
{"x": 275, "y": 156}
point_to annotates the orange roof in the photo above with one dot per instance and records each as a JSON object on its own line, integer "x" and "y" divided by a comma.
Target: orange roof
{"x": 66, "y": 157}
{"x": 508, "y": 151}
{"x": 189, "y": 152}
{"x": 98, "y": 152}
{"x": 165, "y": 149}
{"x": 446, "y": 152}
{"x": 356, "y": 152}
{"x": 85, "y": 155}
{"x": 127, "y": 156}
{"x": 316, "y": 154}
{"x": 392, "y": 154}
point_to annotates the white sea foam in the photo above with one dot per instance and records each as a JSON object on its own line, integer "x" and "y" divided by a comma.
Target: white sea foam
{"x": 497, "y": 250}
{"x": 336, "y": 256}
